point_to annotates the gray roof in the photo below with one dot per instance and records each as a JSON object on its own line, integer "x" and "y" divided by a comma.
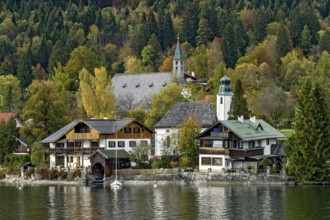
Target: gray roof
{"x": 139, "y": 86}
{"x": 103, "y": 126}
{"x": 59, "y": 133}
{"x": 107, "y": 126}
{"x": 180, "y": 112}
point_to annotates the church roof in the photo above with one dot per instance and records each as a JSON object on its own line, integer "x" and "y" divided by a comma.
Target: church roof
{"x": 140, "y": 86}
{"x": 180, "y": 112}
{"x": 178, "y": 55}
{"x": 225, "y": 87}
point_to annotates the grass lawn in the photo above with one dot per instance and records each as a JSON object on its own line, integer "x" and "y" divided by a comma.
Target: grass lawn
{"x": 287, "y": 132}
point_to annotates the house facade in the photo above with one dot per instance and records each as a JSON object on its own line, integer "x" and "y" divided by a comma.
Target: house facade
{"x": 71, "y": 146}
{"x": 237, "y": 144}
{"x": 166, "y": 130}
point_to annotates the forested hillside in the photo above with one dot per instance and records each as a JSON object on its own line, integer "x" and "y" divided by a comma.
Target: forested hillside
{"x": 272, "y": 46}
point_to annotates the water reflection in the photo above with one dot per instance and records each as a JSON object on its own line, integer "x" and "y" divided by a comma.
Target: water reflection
{"x": 165, "y": 202}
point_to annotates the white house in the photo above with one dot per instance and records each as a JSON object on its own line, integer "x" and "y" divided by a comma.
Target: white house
{"x": 71, "y": 146}
{"x": 176, "y": 116}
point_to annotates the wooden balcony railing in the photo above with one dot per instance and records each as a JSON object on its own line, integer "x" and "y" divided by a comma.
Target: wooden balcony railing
{"x": 70, "y": 150}
{"x": 220, "y": 134}
{"x": 214, "y": 150}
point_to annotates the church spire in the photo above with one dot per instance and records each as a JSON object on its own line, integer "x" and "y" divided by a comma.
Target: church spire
{"x": 178, "y": 63}
{"x": 224, "y": 98}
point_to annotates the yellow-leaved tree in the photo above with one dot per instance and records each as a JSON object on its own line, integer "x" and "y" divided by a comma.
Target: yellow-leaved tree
{"x": 97, "y": 93}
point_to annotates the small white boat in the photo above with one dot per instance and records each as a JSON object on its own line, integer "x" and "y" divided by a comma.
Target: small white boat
{"x": 116, "y": 185}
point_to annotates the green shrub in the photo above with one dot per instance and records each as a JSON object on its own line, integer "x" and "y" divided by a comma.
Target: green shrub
{"x": 156, "y": 163}
{"x": 69, "y": 176}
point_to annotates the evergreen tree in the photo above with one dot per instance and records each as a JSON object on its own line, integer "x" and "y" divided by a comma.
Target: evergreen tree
{"x": 262, "y": 20}
{"x": 283, "y": 42}
{"x": 229, "y": 46}
{"x": 190, "y": 21}
{"x": 308, "y": 150}
{"x": 306, "y": 38}
{"x": 166, "y": 31}
{"x": 24, "y": 71}
{"x": 325, "y": 41}
{"x": 203, "y": 32}
{"x": 238, "y": 105}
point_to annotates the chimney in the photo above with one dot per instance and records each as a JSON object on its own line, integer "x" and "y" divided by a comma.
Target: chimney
{"x": 241, "y": 119}
{"x": 253, "y": 119}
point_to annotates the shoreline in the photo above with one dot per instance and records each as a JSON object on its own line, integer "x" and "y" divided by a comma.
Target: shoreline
{"x": 183, "y": 179}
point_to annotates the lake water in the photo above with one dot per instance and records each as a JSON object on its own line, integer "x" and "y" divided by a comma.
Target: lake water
{"x": 165, "y": 202}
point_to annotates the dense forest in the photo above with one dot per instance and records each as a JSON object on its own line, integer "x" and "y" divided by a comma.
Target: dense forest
{"x": 50, "y": 49}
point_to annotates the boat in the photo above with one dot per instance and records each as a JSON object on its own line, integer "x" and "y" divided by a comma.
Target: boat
{"x": 116, "y": 184}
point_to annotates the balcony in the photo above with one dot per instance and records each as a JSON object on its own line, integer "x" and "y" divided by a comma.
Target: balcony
{"x": 214, "y": 150}
{"x": 220, "y": 134}
{"x": 70, "y": 150}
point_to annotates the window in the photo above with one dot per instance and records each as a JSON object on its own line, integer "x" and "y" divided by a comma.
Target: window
{"x": 206, "y": 143}
{"x": 235, "y": 144}
{"x": 267, "y": 141}
{"x": 251, "y": 144}
{"x": 144, "y": 143}
{"x": 259, "y": 143}
{"x": 221, "y": 100}
{"x": 127, "y": 130}
{"x": 59, "y": 160}
{"x": 136, "y": 130}
{"x": 74, "y": 144}
{"x": 121, "y": 143}
{"x": 241, "y": 145}
{"x": 111, "y": 144}
{"x": 206, "y": 160}
{"x": 132, "y": 143}
{"x": 81, "y": 128}
{"x": 95, "y": 144}
{"x": 217, "y": 161}
{"x": 59, "y": 145}
{"x": 217, "y": 143}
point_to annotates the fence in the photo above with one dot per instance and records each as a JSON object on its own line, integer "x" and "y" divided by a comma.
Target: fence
{"x": 133, "y": 172}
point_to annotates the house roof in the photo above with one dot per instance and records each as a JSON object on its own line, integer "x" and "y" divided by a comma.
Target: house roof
{"x": 249, "y": 130}
{"x": 107, "y": 154}
{"x": 180, "y": 112}
{"x": 139, "y": 87}
{"x": 6, "y": 116}
{"x": 59, "y": 133}
{"x": 225, "y": 87}
{"x": 103, "y": 126}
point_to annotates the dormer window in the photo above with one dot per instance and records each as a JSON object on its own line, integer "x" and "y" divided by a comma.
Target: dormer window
{"x": 124, "y": 86}
{"x": 164, "y": 84}
{"x": 137, "y": 85}
{"x": 151, "y": 85}
{"x": 259, "y": 127}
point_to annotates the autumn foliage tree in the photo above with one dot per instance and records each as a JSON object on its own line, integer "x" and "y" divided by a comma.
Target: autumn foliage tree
{"x": 188, "y": 145}
{"x": 97, "y": 93}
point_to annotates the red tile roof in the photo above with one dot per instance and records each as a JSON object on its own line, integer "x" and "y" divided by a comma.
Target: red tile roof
{"x": 6, "y": 116}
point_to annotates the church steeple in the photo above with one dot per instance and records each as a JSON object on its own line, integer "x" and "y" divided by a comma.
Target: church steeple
{"x": 178, "y": 63}
{"x": 224, "y": 98}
